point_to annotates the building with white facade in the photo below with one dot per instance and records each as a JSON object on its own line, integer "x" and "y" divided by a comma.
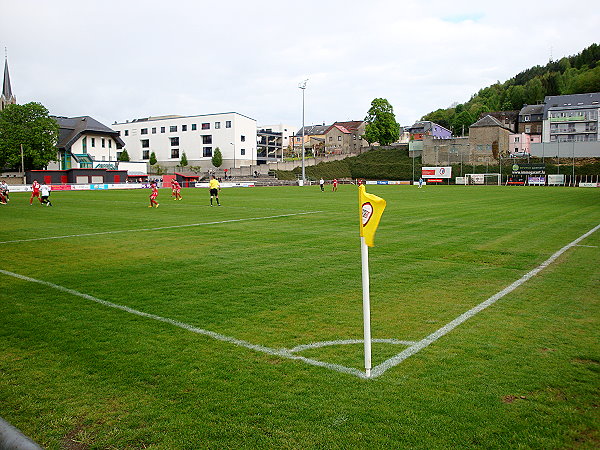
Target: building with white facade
{"x": 169, "y": 137}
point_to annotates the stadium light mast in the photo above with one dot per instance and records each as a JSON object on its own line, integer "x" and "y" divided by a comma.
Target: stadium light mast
{"x": 302, "y": 86}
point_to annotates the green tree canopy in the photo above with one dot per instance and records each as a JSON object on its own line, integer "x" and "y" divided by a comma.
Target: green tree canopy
{"x": 381, "y": 123}
{"x": 184, "y": 161}
{"x": 217, "y": 158}
{"x": 153, "y": 159}
{"x": 31, "y": 126}
{"x": 124, "y": 156}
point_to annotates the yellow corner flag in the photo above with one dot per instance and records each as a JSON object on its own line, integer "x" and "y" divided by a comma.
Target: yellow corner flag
{"x": 370, "y": 208}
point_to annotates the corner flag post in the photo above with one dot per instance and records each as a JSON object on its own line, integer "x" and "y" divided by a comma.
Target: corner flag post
{"x": 370, "y": 208}
{"x": 364, "y": 254}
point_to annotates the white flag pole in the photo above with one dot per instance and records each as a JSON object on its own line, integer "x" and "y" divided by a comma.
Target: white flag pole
{"x": 364, "y": 253}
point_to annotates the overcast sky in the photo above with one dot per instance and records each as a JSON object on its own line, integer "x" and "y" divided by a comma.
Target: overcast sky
{"x": 121, "y": 60}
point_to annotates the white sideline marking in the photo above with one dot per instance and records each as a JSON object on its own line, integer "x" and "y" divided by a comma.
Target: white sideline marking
{"x": 414, "y": 347}
{"x": 159, "y": 228}
{"x": 588, "y": 246}
{"x": 395, "y": 360}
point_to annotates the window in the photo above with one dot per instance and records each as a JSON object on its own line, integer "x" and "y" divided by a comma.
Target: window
{"x": 243, "y": 138}
{"x": 93, "y": 142}
{"x": 162, "y": 129}
{"x": 110, "y": 143}
{"x": 145, "y": 154}
{"x": 354, "y": 136}
{"x": 207, "y": 139}
{"x": 126, "y": 132}
{"x": 145, "y": 143}
{"x": 193, "y": 127}
{"x": 206, "y": 126}
{"x": 243, "y": 152}
{"x": 527, "y": 129}
{"x": 173, "y": 129}
{"x": 103, "y": 143}
{"x": 153, "y": 130}
{"x": 527, "y": 118}
{"x": 144, "y": 131}
{"x": 516, "y": 138}
{"x": 207, "y": 152}
{"x": 183, "y": 127}
{"x": 174, "y": 153}
{"x": 217, "y": 125}
{"x": 339, "y": 138}
{"x": 330, "y": 139}
{"x": 174, "y": 142}
{"x": 228, "y": 124}
{"x": 84, "y": 145}
{"x": 119, "y": 155}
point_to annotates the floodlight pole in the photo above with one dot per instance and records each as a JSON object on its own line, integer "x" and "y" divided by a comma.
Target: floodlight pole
{"x": 303, "y": 87}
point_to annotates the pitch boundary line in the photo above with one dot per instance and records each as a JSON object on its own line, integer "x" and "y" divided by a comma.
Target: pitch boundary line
{"x": 427, "y": 341}
{"x": 159, "y": 228}
{"x": 289, "y": 353}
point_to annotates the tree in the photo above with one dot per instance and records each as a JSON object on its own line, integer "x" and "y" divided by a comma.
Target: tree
{"x": 124, "y": 156}
{"x": 381, "y": 123}
{"x": 184, "y": 161}
{"x": 28, "y": 125}
{"x": 217, "y": 158}
{"x": 153, "y": 159}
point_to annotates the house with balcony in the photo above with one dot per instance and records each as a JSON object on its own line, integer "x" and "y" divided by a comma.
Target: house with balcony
{"x": 314, "y": 138}
{"x": 571, "y": 118}
{"x": 85, "y": 143}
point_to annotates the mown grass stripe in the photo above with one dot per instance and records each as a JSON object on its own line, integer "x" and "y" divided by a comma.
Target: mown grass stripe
{"x": 134, "y": 230}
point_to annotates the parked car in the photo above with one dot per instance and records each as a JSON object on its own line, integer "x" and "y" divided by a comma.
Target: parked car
{"x": 518, "y": 154}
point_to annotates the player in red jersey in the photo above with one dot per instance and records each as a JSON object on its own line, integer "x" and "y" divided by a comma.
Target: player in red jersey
{"x": 334, "y": 187}
{"x": 176, "y": 189}
{"x": 35, "y": 186}
{"x": 153, "y": 195}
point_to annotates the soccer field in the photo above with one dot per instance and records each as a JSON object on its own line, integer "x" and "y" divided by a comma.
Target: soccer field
{"x": 187, "y": 326}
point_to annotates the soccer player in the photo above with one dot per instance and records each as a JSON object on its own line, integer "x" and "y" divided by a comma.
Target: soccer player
{"x": 335, "y": 183}
{"x": 322, "y": 184}
{"x": 176, "y": 189}
{"x": 45, "y": 190}
{"x": 420, "y": 183}
{"x": 4, "y": 193}
{"x": 153, "y": 195}
{"x": 214, "y": 188}
{"x": 35, "y": 192}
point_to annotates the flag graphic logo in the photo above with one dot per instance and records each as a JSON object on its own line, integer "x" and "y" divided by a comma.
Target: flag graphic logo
{"x": 367, "y": 212}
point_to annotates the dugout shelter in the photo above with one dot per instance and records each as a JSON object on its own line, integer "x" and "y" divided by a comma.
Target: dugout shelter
{"x": 77, "y": 176}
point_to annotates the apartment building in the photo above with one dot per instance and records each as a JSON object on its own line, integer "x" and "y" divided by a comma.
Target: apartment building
{"x": 169, "y": 137}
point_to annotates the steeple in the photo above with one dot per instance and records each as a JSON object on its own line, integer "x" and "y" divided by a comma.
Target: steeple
{"x": 7, "y": 97}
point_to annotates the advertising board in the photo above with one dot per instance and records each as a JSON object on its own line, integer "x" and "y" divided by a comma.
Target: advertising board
{"x": 436, "y": 172}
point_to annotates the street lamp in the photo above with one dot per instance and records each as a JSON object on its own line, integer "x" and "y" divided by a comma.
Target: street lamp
{"x": 233, "y": 143}
{"x": 302, "y": 86}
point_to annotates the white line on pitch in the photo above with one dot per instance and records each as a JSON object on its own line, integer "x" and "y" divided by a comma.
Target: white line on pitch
{"x": 280, "y": 352}
{"x": 394, "y": 361}
{"x": 159, "y": 228}
{"x": 588, "y": 246}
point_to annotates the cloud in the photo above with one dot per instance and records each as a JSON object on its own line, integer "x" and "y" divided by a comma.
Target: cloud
{"x": 119, "y": 60}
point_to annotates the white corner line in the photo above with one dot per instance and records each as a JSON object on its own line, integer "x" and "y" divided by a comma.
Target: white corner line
{"x": 159, "y": 228}
{"x": 280, "y": 352}
{"x": 395, "y": 360}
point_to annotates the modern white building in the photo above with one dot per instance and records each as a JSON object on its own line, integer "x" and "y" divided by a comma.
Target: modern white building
{"x": 169, "y": 137}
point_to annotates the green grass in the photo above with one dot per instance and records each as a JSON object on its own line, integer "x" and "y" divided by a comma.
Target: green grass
{"x": 523, "y": 373}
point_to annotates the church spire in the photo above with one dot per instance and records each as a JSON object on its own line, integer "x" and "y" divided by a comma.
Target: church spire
{"x": 7, "y": 97}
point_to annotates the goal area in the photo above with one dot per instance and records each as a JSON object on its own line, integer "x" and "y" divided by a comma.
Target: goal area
{"x": 484, "y": 178}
